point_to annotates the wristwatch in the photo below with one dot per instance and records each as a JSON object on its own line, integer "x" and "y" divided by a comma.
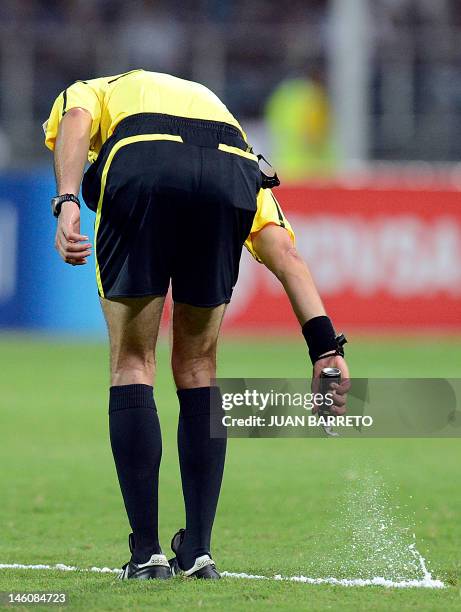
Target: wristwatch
{"x": 57, "y": 202}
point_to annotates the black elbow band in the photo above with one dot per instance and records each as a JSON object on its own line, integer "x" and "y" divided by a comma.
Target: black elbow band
{"x": 321, "y": 338}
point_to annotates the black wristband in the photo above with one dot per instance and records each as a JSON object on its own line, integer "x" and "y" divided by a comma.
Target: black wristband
{"x": 320, "y": 336}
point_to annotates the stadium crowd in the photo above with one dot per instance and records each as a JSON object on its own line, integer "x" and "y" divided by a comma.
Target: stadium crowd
{"x": 242, "y": 49}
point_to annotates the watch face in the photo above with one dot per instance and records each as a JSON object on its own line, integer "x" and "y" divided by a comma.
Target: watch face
{"x": 54, "y": 206}
{"x": 57, "y": 202}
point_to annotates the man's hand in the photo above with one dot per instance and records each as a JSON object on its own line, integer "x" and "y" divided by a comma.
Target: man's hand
{"x": 70, "y": 244}
{"x": 339, "y": 392}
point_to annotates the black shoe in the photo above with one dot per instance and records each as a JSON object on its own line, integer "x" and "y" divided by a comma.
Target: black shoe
{"x": 157, "y": 567}
{"x": 203, "y": 567}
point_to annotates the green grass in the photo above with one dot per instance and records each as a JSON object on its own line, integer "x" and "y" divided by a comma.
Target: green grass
{"x": 282, "y": 504}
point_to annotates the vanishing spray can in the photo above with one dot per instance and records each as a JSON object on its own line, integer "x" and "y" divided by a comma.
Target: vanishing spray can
{"x": 328, "y": 376}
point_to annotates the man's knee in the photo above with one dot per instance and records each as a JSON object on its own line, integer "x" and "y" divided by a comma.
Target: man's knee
{"x": 191, "y": 370}
{"x": 132, "y": 367}
{"x": 195, "y": 334}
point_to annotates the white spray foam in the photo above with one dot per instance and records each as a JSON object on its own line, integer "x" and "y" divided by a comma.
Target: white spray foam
{"x": 58, "y": 566}
{"x": 368, "y": 541}
{"x": 358, "y": 582}
{"x": 348, "y": 582}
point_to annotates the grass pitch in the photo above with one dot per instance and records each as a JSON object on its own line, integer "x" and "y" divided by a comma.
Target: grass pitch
{"x": 282, "y": 505}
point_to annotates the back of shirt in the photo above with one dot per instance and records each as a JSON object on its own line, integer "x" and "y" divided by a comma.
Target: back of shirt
{"x": 111, "y": 99}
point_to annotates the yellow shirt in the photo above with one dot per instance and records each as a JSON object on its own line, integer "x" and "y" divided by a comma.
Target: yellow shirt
{"x": 269, "y": 212}
{"x": 111, "y": 99}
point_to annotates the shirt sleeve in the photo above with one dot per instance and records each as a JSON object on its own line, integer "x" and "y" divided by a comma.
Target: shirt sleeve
{"x": 268, "y": 212}
{"x": 81, "y": 95}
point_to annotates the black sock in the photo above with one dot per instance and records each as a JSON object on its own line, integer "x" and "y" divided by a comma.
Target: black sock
{"x": 137, "y": 448}
{"x": 201, "y": 460}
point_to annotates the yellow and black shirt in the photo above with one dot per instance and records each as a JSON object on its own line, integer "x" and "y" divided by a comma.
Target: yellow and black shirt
{"x": 109, "y": 100}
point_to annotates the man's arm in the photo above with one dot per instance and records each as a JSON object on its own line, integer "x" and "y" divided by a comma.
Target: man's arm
{"x": 275, "y": 249}
{"x": 70, "y": 155}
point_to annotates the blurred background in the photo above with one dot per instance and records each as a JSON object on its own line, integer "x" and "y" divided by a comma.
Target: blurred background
{"x": 358, "y": 105}
{"x": 356, "y": 102}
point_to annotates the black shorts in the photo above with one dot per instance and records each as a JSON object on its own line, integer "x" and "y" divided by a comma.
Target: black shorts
{"x": 171, "y": 205}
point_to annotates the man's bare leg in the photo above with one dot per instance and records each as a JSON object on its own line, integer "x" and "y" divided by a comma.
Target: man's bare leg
{"x": 134, "y": 426}
{"x": 201, "y": 458}
{"x": 133, "y": 325}
{"x": 195, "y": 339}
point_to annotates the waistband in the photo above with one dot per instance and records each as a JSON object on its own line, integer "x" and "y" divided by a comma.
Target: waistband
{"x": 202, "y": 132}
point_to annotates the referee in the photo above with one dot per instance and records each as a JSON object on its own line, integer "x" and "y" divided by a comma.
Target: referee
{"x": 173, "y": 185}
{"x": 177, "y": 191}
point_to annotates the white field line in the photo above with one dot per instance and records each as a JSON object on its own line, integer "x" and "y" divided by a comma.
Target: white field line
{"x": 427, "y": 582}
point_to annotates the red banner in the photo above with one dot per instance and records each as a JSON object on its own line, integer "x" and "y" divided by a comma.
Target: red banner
{"x": 381, "y": 258}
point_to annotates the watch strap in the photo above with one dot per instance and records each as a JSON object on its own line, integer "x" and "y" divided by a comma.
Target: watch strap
{"x": 58, "y": 201}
